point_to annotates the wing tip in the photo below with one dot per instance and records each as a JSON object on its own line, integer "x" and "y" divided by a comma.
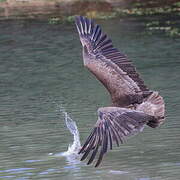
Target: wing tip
{"x": 82, "y": 24}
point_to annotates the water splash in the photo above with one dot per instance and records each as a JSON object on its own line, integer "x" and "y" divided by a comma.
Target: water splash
{"x": 75, "y": 146}
{"x": 72, "y": 127}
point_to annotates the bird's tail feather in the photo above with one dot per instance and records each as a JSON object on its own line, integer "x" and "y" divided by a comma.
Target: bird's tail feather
{"x": 154, "y": 105}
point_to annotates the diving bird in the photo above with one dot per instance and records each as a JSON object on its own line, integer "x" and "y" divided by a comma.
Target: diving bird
{"x": 133, "y": 106}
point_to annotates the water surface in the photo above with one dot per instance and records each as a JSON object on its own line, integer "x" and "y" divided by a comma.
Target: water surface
{"x": 41, "y": 66}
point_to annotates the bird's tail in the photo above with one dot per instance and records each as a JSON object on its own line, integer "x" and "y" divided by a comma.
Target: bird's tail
{"x": 154, "y": 105}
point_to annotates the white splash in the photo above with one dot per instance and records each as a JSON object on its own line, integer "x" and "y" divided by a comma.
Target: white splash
{"x": 72, "y": 127}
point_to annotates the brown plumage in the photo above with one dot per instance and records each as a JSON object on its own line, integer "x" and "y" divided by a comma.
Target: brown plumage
{"x": 133, "y": 104}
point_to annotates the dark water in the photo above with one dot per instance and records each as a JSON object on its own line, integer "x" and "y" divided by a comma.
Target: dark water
{"x": 41, "y": 66}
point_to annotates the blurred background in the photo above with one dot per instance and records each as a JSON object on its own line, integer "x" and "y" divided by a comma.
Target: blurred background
{"x": 41, "y": 73}
{"x": 165, "y": 13}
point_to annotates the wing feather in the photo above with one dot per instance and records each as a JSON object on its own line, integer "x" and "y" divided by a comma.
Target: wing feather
{"x": 102, "y": 46}
{"x": 114, "y": 125}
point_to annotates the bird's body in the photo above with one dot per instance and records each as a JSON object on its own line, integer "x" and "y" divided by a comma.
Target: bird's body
{"x": 115, "y": 80}
{"x": 133, "y": 104}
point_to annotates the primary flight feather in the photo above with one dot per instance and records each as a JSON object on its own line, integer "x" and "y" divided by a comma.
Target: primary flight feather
{"x": 133, "y": 104}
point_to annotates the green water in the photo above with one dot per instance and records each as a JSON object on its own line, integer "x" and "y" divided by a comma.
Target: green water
{"x": 41, "y": 66}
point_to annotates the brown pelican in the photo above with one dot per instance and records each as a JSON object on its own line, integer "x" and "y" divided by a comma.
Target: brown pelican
{"x": 133, "y": 104}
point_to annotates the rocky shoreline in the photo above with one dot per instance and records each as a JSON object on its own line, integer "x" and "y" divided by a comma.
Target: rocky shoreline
{"x": 161, "y": 15}
{"x": 31, "y": 9}
{"x": 43, "y": 9}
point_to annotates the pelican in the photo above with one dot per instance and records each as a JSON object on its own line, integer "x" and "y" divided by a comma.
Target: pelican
{"x": 133, "y": 106}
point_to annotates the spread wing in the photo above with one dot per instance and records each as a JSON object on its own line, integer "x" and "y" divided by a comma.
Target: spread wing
{"x": 110, "y": 66}
{"x": 114, "y": 125}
